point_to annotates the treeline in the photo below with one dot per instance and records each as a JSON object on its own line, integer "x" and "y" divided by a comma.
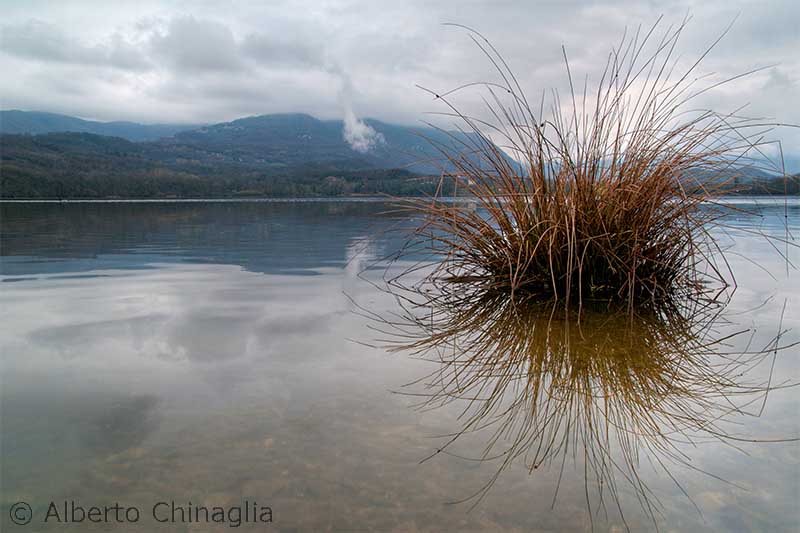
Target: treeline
{"x": 79, "y": 165}
{"x": 777, "y": 185}
{"x": 82, "y": 165}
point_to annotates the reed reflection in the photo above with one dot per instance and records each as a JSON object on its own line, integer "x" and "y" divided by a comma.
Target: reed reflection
{"x": 607, "y": 390}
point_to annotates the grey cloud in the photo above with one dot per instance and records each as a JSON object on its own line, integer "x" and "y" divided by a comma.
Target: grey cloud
{"x": 282, "y": 51}
{"x": 211, "y": 63}
{"x": 37, "y": 40}
{"x": 778, "y": 78}
{"x": 192, "y": 45}
{"x": 125, "y": 55}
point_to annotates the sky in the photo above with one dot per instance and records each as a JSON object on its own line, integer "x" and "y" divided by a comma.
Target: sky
{"x": 206, "y": 62}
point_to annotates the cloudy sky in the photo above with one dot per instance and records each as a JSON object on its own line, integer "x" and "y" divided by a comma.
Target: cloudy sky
{"x": 199, "y": 62}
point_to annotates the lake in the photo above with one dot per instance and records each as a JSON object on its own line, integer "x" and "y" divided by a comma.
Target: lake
{"x": 213, "y": 353}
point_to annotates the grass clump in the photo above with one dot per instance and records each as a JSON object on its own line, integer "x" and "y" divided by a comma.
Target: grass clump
{"x": 607, "y": 197}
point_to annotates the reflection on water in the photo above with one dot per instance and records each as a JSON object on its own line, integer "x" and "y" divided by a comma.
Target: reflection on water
{"x": 608, "y": 389}
{"x": 38, "y": 238}
{"x": 203, "y": 352}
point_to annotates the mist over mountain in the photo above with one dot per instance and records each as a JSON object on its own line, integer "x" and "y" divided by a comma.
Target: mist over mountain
{"x": 36, "y": 122}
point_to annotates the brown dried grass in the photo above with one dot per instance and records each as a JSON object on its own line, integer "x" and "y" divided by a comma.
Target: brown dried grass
{"x": 606, "y": 210}
{"x": 607, "y": 201}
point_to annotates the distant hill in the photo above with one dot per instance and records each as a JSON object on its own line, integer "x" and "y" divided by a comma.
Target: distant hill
{"x": 287, "y": 140}
{"x": 792, "y": 163}
{"x": 37, "y": 122}
{"x": 84, "y": 165}
{"x": 268, "y": 155}
{"x": 270, "y": 141}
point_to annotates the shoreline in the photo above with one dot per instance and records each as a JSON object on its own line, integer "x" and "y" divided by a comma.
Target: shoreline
{"x": 725, "y": 197}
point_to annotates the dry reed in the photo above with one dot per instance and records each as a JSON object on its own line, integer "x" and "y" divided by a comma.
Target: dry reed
{"x": 608, "y": 205}
{"x": 608, "y": 197}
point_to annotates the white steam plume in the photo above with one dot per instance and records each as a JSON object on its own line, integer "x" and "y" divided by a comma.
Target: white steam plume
{"x": 359, "y": 135}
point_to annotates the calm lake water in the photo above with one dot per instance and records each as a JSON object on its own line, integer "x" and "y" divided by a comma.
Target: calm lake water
{"x": 210, "y": 352}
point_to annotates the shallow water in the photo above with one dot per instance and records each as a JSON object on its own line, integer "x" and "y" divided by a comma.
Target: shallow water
{"x": 209, "y": 352}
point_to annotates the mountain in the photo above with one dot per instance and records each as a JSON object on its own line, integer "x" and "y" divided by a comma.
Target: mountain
{"x": 37, "y": 122}
{"x": 286, "y": 140}
{"x": 277, "y": 141}
{"x": 268, "y": 155}
{"x": 792, "y": 164}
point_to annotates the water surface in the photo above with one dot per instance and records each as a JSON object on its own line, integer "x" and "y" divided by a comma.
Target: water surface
{"x": 209, "y": 352}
